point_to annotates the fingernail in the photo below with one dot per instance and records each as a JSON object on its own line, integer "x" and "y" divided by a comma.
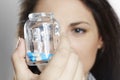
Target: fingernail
{"x": 18, "y": 42}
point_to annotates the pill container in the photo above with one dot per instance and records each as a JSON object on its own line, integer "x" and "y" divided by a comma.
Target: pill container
{"x": 41, "y": 34}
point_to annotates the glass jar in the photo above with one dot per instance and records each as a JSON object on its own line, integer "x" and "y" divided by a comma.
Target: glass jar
{"x": 41, "y": 34}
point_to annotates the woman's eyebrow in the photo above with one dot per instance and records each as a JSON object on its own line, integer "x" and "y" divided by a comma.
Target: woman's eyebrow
{"x": 77, "y": 23}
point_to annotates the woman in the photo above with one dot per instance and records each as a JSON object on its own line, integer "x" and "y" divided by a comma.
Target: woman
{"x": 89, "y": 46}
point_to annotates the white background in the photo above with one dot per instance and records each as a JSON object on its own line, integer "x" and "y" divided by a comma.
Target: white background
{"x": 8, "y": 29}
{"x": 116, "y": 6}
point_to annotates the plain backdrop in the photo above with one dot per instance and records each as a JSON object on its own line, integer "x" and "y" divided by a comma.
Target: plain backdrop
{"x": 8, "y": 28}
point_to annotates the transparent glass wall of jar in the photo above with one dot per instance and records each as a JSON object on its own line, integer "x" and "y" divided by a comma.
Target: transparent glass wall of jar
{"x": 41, "y": 33}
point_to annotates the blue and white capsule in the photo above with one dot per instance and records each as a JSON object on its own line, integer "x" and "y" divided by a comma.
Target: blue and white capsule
{"x": 35, "y": 57}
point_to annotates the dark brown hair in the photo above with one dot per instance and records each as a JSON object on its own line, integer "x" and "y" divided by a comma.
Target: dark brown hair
{"x": 107, "y": 65}
{"x": 26, "y": 7}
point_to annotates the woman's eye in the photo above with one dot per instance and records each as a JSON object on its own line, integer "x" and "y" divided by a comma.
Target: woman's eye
{"x": 79, "y": 30}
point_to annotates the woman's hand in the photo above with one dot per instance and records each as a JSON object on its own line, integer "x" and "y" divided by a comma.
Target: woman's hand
{"x": 22, "y": 72}
{"x": 65, "y": 64}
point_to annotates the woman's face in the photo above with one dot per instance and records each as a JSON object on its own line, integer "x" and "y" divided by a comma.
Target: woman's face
{"x": 78, "y": 24}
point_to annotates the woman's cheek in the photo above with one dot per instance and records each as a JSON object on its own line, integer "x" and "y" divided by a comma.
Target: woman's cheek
{"x": 86, "y": 50}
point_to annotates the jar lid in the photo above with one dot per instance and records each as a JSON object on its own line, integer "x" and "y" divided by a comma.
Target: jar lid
{"x": 39, "y": 16}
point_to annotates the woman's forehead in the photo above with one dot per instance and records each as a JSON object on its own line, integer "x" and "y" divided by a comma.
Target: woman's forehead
{"x": 65, "y": 10}
{"x": 60, "y": 5}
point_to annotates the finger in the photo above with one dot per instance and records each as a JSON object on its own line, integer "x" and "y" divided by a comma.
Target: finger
{"x": 70, "y": 68}
{"x": 79, "y": 75}
{"x": 18, "y": 57}
{"x": 56, "y": 65}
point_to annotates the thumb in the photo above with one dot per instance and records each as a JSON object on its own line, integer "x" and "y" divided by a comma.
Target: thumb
{"x": 58, "y": 62}
{"x": 64, "y": 44}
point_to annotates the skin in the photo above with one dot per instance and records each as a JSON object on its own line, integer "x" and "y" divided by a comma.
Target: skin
{"x": 77, "y": 51}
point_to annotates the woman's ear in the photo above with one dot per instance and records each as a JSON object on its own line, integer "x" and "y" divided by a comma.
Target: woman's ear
{"x": 100, "y": 42}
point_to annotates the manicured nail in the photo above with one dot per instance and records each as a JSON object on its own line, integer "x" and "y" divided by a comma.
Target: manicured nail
{"x": 18, "y": 42}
